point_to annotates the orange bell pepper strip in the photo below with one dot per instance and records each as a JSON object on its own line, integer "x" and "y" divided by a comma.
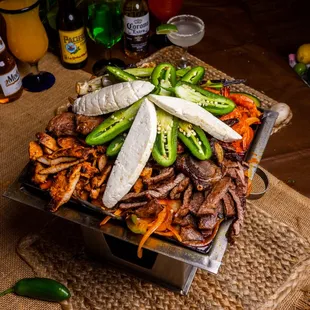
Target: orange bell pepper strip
{"x": 160, "y": 219}
{"x": 225, "y": 92}
{"x": 164, "y": 233}
{"x": 174, "y": 204}
{"x": 107, "y": 218}
{"x": 252, "y": 120}
{"x": 245, "y": 102}
{"x": 175, "y": 232}
{"x": 236, "y": 113}
{"x": 212, "y": 90}
{"x": 167, "y": 222}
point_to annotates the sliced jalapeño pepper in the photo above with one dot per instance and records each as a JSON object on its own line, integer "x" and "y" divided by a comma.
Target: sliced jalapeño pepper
{"x": 194, "y": 76}
{"x": 215, "y": 104}
{"x": 165, "y": 147}
{"x": 164, "y": 78}
{"x": 140, "y": 72}
{"x": 195, "y": 140}
{"x": 209, "y": 83}
{"x": 116, "y": 145}
{"x": 183, "y": 71}
{"x": 40, "y": 288}
{"x": 120, "y": 74}
{"x": 117, "y": 123}
{"x": 137, "y": 225}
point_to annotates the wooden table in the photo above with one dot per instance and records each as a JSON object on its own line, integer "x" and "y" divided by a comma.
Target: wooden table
{"x": 234, "y": 45}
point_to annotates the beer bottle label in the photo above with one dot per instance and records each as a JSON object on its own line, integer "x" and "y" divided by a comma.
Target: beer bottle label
{"x": 136, "y": 32}
{"x": 2, "y": 45}
{"x": 137, "y": 26}
{"x": 10, "y": 82}
{"x": 73, "y": 46}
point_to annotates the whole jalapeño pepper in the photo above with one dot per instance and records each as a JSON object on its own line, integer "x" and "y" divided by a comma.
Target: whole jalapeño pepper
{"x": 40, "y": 288}
{"x": 164, "y": 78}
{"x": 165, "y": 147}
{"x": 195, "y": 140}
{"x": 117, "y": 123}
{"x": 120, "y": 74}
{"x": 213, "y": 103}
{"x": 194, "y": 76}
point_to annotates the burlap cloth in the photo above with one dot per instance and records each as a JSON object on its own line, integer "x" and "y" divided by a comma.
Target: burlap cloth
{"x": 266, "y": 267}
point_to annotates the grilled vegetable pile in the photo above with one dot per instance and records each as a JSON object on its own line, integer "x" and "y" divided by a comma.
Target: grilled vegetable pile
{"x": 152, "y": 117}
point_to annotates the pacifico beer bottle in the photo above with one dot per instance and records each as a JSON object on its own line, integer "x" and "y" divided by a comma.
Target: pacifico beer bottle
{"x": 136, "y": 28}
{"x": 71, "y": 31}
{"x": 10, "y": 80}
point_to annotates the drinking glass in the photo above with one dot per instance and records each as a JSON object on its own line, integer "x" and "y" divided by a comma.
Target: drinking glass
{"x": 165, "y": 9}
{"x": 27, "y": 40}
{"x": 191, "y": 30}
{"x": 105, "y": 26}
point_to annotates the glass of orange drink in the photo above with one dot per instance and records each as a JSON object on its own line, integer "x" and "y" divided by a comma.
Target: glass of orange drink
{"x": 27, "y": 40}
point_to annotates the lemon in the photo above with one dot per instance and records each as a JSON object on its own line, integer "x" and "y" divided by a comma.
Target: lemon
{"x": 300, "y": 68}
{"x": 303, "y": 54}
{"x": 166, "y": 29}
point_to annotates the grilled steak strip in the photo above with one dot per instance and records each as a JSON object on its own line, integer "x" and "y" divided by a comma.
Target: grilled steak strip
{"x": 151, "y": 209}
{"x": 217, "y": 193}
{"x": 189, "y": 233}
{"x": 207, "y": 222}
{"x": 203, "y": 173}
{"x": 206, "y": 232}
{"x": 159, "y": 192}
{"x": 187, "y": 220}
{"x": 229, "y": 205}
{"x": 207, "y": 240}
{"x": 164, "y": 175}
{"x": 240, "y": 211}
{"x": 176, "y": 192}
{"x": 196, "y": 202}
{"x": 132, "y": 205}
{"x": 184, "y": 209}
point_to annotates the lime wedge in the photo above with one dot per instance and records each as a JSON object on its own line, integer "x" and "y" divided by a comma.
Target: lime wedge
{"x": 166, "y": 29}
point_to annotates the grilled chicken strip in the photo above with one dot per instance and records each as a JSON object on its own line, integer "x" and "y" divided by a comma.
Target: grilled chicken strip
{"x": 35, "y": 151}
{"x": 60, "y": 167}
{"x": 61, "y": 198}
{"x": 47, "y": 141}
{"x": 52, "y": 162}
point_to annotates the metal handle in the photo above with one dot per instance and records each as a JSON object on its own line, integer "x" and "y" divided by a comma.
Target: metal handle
{"x": 264, "y": 177}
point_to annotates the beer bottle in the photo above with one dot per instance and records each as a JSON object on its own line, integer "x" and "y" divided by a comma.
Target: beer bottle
{"x": 10, "y": 80}
{"x": 136, "y": 28}
{"x": 71, "y": 31}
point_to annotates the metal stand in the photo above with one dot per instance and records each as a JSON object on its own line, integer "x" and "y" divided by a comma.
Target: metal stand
{"x": 160, "y": 269}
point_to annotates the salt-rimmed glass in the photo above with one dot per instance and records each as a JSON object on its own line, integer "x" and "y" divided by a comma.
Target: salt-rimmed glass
{"x": 191, "y": 30}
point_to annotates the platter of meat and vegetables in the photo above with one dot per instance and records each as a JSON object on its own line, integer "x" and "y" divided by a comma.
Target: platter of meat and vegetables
{"x": 157, "y": 149}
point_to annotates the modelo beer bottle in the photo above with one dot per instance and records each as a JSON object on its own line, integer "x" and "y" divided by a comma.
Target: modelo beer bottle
{"x": 136, "y": 28}
{"x": 10, "y": 80}
{"x": 71, "y": 31}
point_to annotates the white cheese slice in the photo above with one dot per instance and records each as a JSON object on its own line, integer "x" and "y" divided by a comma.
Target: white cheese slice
{"x": 193, "y": 113}
{"x": 133, "y": 155}
{"x": 111, "y": 98}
